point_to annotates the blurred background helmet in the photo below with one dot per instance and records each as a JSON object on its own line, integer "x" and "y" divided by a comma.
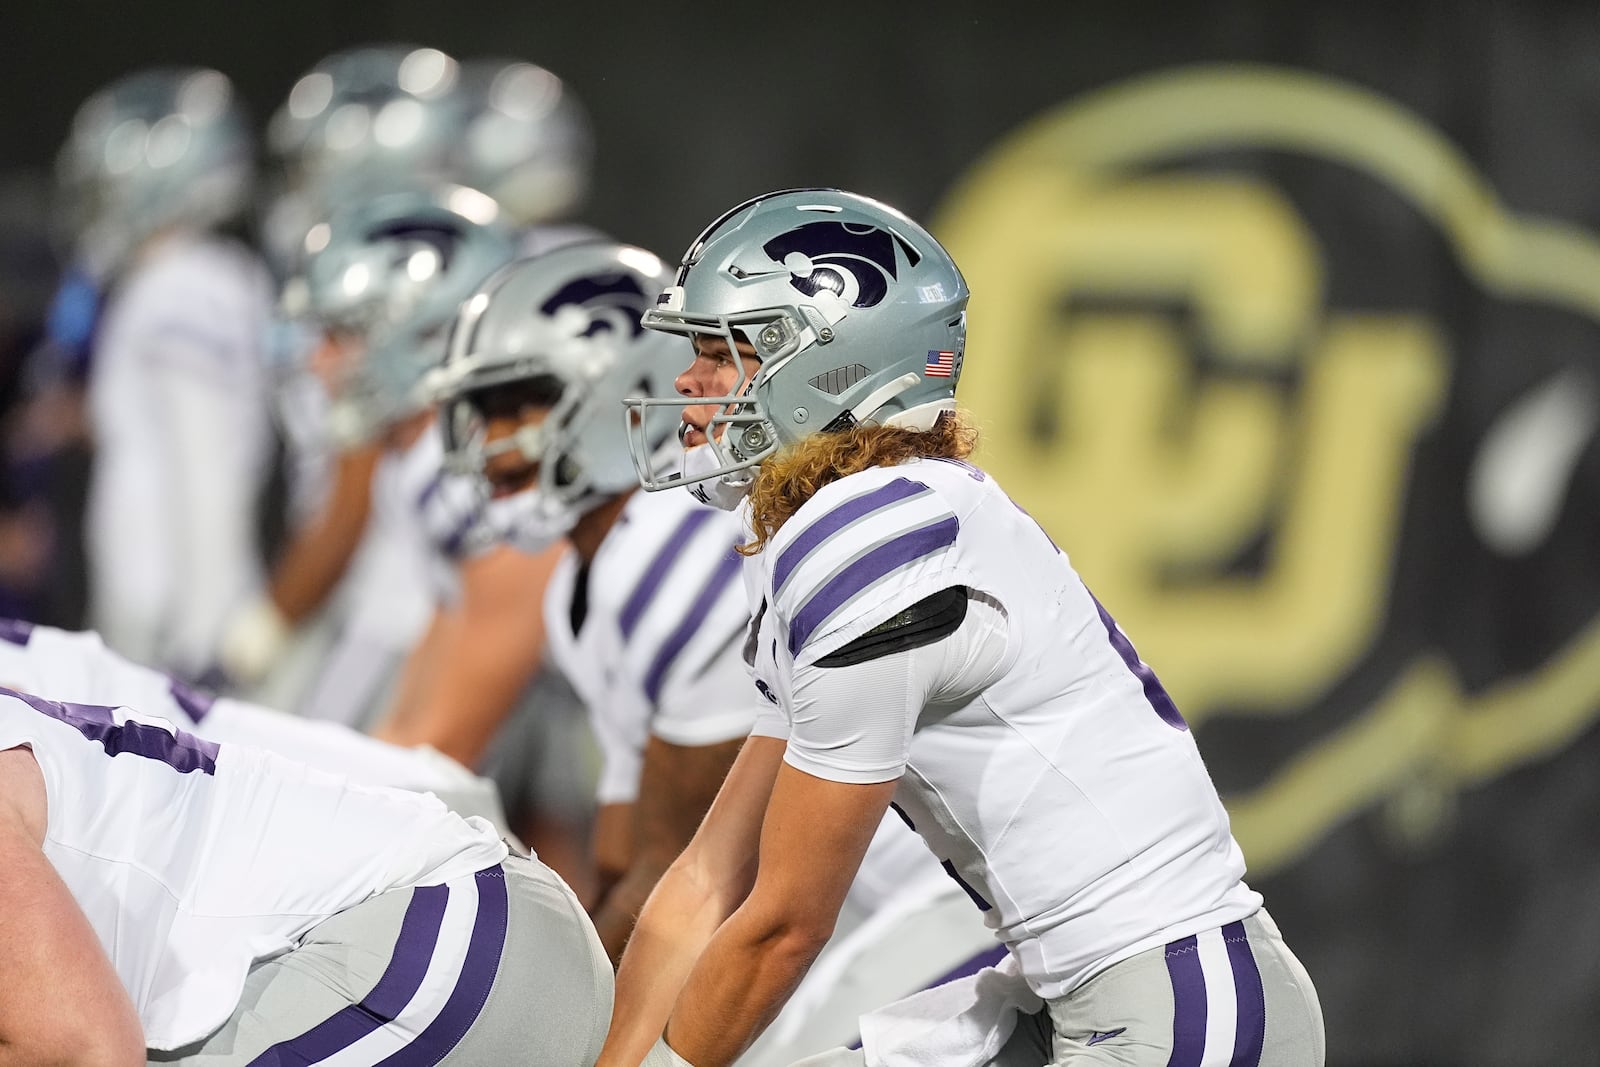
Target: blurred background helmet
{"x": 359, "y": 122}
{"x": 855, "y": 312}
{"x": 560, "y": 330}
{"x": 156, "y": 149}
{"x": 388, "y": 274}
{"x": 526, "y": 140}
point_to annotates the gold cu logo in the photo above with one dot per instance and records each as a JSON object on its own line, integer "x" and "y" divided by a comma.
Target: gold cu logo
{"x": 1239, "y": 512}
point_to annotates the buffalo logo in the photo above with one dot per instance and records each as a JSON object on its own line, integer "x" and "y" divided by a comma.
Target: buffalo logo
{"x": 612, "y": 301}
{"x": 854, "y": 263}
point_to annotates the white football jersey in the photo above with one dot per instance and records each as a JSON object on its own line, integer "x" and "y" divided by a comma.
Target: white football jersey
{"x": 77, "y": 667}
{"x": 192, "y": 860}
{"x": 179, "y": 408}
{"x": 649, "y": 634}
{"x": 1059, "y": 784}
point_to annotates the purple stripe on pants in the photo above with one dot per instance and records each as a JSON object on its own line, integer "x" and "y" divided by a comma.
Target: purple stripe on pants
{"x": 1188, "y": 1003}
{"x": 413, "y": 949}
{"x": 472, "y": 986}
{"x": 1251, "y": 1032}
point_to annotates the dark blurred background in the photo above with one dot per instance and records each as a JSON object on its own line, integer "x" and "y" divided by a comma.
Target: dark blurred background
{"x": 1365, "y": 552}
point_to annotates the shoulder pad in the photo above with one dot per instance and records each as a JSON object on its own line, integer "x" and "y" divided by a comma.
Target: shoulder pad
{"x": 928, "y": 620}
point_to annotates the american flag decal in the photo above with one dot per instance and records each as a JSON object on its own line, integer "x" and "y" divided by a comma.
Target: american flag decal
{"x": 940, "y": 365}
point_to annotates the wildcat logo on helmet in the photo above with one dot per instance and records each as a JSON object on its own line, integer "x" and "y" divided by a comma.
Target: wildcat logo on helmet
{"x": 855, "y": 263}
{"x": 611, "y": 300}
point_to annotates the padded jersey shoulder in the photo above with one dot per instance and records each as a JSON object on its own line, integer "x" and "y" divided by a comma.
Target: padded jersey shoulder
{"x": 854, "y": 548}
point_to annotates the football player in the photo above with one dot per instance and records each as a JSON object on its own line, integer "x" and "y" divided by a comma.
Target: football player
{"x": 924, "y": 644}
{"x": 77, "y": 667}
{"x": 645, "y": 612}
{"x": 219, "y": 905}
{"x": 379, "y": 284}
{"x": 155, "y": 163}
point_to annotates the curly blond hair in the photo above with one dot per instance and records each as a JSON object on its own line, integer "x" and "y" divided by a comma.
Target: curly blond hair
{"x": 793, "y": 476}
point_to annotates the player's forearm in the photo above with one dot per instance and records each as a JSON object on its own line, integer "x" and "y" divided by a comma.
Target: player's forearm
{"x": 53, "y": 972}
{"x": 468, "y": 696}
{"x": 747, "y": 973}
{"x": 677, "y": 922}
{"x": 319, "y": 553}
{"x": 620, "y": 907}
{"x": 418, "y": 679}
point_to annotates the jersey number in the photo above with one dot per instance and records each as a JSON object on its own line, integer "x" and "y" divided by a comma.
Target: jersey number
{"x": 1154, "y": 691}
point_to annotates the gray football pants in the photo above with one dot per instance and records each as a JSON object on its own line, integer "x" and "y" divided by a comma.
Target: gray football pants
{"x": 498, "y": 968}
{"x": 1234, "y": 995}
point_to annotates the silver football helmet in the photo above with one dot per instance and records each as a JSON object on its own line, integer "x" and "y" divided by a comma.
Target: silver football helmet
{"x": 360, "y": 122}
{"x": 391, "y": 272}
{"x": 559, "y": 330}
{"x": 855, "y": 312}
{"x": 526, "y": 140}
{"x": 154, "y": 149}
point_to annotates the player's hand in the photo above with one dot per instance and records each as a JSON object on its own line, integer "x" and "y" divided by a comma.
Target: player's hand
{"x": 252, "y": 641}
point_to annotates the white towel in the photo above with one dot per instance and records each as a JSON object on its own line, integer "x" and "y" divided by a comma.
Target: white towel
{"x": 963, "y": 1023}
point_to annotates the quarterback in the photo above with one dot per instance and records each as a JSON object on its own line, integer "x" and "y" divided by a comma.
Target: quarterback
{"x": 646, "y": 615}
{"x": 923, "y": 644}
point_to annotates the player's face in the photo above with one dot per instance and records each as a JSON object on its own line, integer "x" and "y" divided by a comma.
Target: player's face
{"x": 509, "y": 472}
{"x": 714, "y": 372}
{"x": 335, "y": 358}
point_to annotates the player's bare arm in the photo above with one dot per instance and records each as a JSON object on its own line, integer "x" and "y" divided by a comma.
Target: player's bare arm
{"x": 479, "y": 665}
{"x": 317, "y": 557}
{"x": 676, "y": 789}
{"x": 702, "y": 888}
{"x": 54, "y": 973}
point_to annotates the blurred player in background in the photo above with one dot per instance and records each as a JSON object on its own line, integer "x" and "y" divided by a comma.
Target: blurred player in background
{"x": 922, "y": 642}
{"x": 154, "y": 165}
{"x": 363, "y": 122}
{"x": 380, "y": 281}
{"x": 646, "y": 615}
{"x": 219, "y": 905}
{"x": 359, "y": 123}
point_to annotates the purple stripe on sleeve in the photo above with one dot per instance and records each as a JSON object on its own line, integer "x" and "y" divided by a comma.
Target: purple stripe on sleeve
{"x": 1251, "y": 1031}
{"x": 656, "y": 573}
{"x": 1154, "y": 691}
{"x": 886, "y": 558}
{"x": 178, "y": 750}
{"x": 413, "y": 951}
{"x": 466, "y": 1001}
{"x": 1188, "y": 1003}
{"x": 836, "y": 520}
{"x": 196, "y": 703}
{"x": 693, "y": 618}
{"x": 16, "y": 631}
